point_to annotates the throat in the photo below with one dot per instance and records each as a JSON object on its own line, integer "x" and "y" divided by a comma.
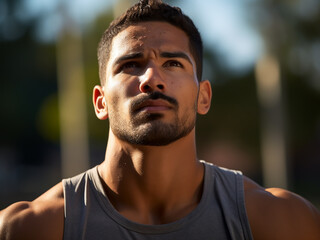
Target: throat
{"x": 153, "y": 185}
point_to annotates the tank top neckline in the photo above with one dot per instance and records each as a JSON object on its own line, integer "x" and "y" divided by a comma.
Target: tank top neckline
{"x": 108, "y": 208}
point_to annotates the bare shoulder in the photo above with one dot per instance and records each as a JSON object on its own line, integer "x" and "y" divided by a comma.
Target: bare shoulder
{"x": 40, "y": 219}
{"x": 276, "y": 213}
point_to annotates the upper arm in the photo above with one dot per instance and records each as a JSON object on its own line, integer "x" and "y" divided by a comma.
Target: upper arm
{"x": 10, "y": 219}
{"x": 41, "y": 219}
{"x": 279, "y": 214}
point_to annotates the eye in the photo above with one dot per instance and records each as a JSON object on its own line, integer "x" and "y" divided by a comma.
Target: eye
{"x": 128, "y": 66}
{"x": 173, "y": 63}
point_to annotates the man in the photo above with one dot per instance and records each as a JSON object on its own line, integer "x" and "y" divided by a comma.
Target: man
{"x": 151, "y": 184}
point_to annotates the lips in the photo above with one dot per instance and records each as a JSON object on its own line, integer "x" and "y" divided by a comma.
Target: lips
{"x": 155, "y": 101}
{"x": 154, "y": 105}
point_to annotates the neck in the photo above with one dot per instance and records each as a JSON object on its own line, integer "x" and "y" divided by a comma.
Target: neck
{"x": 161, "y": 183}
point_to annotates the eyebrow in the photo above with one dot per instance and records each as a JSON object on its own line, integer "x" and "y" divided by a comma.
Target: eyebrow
{"x": 176, "y": 55}
{"x": 128, "y": 57}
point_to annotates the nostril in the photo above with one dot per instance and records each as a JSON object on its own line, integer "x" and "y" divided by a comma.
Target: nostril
{"x": 160, "y": 86}
{"x": 146, "y": 87}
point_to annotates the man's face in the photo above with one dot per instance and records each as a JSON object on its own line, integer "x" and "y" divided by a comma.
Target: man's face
{"x": 151, "y": 86}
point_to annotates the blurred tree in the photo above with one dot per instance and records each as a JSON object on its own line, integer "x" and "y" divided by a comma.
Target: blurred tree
{"x": 28, "y": 78}
{"x": 28, "y": 75}
{"x": 291, "y": 32}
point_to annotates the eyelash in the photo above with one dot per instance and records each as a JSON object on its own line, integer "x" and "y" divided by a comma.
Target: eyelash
{"x": 128, "y": 65}
{"x": 174, "y": 62}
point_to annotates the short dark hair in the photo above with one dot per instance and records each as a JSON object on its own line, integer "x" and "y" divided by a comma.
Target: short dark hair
{"x": 150, "y": 10}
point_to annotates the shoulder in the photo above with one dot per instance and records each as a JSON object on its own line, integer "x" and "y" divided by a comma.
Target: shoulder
{"x": 276, "y": 213}
{"x": 42, "y": 218}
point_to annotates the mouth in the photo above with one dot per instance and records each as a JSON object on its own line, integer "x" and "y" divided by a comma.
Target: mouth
{"x": 154, "y": 102}
{"x": 154, "y": 106}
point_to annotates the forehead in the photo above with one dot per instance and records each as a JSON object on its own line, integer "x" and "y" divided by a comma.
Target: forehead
{"x": 158, "y": 36}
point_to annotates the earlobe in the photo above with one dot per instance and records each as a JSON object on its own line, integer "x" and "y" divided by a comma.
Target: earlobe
{"x": 99, "y": 103}
{"x": 204, "y": 98}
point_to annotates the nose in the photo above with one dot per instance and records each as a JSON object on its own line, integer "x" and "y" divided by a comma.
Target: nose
{"x": 151, "y": 80}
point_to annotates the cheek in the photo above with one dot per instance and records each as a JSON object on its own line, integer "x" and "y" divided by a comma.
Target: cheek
{"x": 126, "y": 88}
{"x": 112, "y": 93}
{"x": 188, "y": 99}
{"x": 187, "y": 91}
{"x": 118, "y": 96}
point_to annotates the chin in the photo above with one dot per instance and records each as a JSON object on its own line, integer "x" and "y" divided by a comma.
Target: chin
{"x": 157, "y": 134}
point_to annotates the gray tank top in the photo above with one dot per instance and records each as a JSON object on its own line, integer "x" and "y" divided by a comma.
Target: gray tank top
{"x": 220, "y": 215}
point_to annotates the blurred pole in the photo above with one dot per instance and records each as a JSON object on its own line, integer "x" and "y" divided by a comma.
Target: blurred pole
{"x": 272, "y": 124}
{"x": 72, "y": 103}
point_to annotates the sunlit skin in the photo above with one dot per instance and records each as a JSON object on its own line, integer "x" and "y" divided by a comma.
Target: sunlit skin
{"x": 147, "y": 183}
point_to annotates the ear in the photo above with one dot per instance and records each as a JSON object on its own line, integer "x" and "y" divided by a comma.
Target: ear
{"x": 204, "y": 97}
{"x": 99, "y": 103}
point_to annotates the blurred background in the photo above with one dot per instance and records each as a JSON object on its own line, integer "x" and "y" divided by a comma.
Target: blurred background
{"x": 262, "y": 58}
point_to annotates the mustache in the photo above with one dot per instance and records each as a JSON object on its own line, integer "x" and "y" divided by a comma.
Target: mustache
{"x": 152, "y": 96}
